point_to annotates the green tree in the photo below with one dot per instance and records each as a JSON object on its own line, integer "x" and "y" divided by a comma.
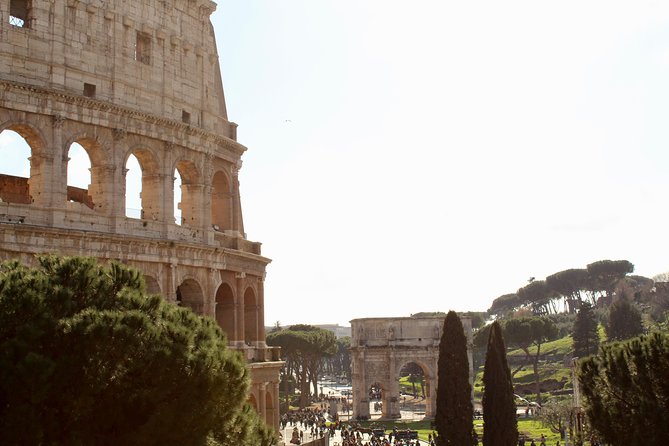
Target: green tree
{"x": 586, "y": 334}
{"x": 537, "y": 296}
{"x": 605, "y": 274}
{"x": 505, "y": 304}
{"x": 624, "y": 320}
{"x": 500, "y": 426}
{"x": 455, "y": 412}
{"x": 304, "y": 347}
{"x": 87, "y": 357}
{"x": 570, "y": 284}
{"x": 626, "y": 393}
{"x": 530, "y": 332}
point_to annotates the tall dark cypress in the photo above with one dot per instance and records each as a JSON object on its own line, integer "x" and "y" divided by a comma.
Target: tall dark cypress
{"x": 455, "y": 412}
{"x": 500, "y": 426}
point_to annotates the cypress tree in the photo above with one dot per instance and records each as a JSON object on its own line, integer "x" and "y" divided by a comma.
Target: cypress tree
{"x": 500, "y": 426}
{"x": 455, "y": 412}
{"x": 586, "y": 336}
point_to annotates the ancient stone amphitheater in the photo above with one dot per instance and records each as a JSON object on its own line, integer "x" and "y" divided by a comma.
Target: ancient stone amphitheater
{"x": 125, "y": 78}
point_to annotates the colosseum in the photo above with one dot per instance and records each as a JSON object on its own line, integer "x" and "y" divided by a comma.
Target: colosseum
{"x": 133, "y": 81}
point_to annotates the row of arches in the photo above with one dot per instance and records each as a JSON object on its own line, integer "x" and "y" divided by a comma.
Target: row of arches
{"x": 227, "y": 309}
{"x": 90, "y": 178}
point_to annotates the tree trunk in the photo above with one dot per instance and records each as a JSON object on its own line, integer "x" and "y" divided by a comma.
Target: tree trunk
{"x": 537, "y": 384}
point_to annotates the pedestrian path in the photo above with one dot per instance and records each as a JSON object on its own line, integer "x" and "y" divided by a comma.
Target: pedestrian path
{"x": 335, "y": 440}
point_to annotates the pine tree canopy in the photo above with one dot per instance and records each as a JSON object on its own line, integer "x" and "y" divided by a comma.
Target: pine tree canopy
{"x": 88, "y": 358}
{"x": 626, "y": 392}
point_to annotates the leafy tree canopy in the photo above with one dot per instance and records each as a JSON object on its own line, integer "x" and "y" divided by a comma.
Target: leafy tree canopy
{"x": 626, "y": 396}
{"x": 86, "y": 357}
{"x": 624, "y": 320}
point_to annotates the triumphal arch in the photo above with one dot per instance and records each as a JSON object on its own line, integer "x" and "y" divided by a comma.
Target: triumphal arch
{"x": 382, "y": 347}
{"x": 122, "y": 79}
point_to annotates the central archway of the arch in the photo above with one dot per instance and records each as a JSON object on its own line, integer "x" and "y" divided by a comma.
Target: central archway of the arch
{"x": 382, "y": 347}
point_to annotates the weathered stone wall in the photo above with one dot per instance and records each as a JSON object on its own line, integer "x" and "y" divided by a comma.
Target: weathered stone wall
{"x": 14, "y": 189}
{"x": 67, "y": 44}
{"x": 135, "y": 78}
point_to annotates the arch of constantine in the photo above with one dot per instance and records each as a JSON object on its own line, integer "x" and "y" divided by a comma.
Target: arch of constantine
{"x": 124, "y": 78}
{"x": 381, "y": 347}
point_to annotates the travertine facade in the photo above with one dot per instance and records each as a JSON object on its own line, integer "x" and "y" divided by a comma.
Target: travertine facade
{"x": 121, "y": 78}
{"x": 381, "y": 347}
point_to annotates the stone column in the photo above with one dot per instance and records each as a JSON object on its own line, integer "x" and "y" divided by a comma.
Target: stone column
{"x": 277, "y": 407}
{"x": 240, "y": 337}
{"x": 191, "y": 197}
{"x": 153, "y": 207}
{"x": 262, "y": 404}
{"x": 58, "y": 176}
{"x": 171, "y": 290}
{"x": 360, "y": 396}
{"x": 237, "y": 220}
{"x": 210, "y": 298}
{"x": 260, "y": 313}
{"x": 393, "y": 406}
{"x": 168, "y": 189}
{"x": 118, "y": 205}
{"x": 102, "y": 189}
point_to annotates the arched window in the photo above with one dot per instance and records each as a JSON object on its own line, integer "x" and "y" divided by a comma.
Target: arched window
{"x": 15, "y": 168}
{"x": 189, "y": 294}
{"x": 144, "y": 186}
{"x": 177, "y": 197}
{"x": 133, "y": 188}
{"x": 221, "y": 203}
{"x": 79, "y": 176}
{"x": 190, "y": 188}
{"x": 225, "y": 310}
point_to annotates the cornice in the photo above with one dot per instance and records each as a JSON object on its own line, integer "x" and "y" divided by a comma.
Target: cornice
{"x": 138, "y": 115}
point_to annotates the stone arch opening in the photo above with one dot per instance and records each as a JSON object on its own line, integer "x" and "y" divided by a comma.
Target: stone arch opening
{"x": 414, "y": 388}
{"x": 190, "y": 191}
{"x": 189, "y": 294}
{"x": 177, "y": 198}
{"x": 16, "y": 169}
{"x": 225, "y": 310}
{"x": 142, "y": 185}
{"x": 79, "y": 176}
{"x": 221, "y": 202}
{"x": 269, "y": 408}
{"x": 152, "y": 285}
{"x": 376, "y": 394}
{"x": 250, "y": 316}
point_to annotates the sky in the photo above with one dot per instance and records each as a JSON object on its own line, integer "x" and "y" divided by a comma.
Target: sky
{"x": 434, "y": 155}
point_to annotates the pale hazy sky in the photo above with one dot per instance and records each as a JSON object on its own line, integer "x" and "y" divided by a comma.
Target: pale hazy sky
{"x": 434, "y": 155}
